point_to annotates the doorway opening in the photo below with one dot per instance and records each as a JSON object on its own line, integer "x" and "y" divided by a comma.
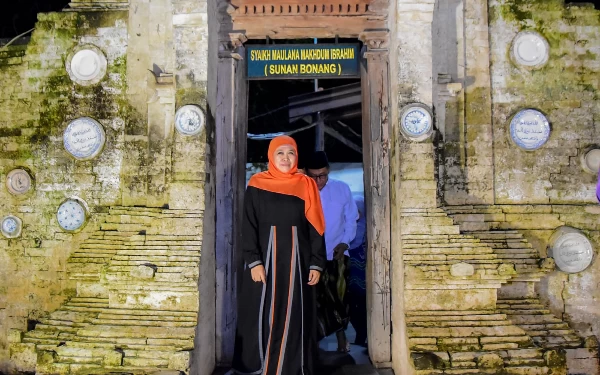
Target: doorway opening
{"x": 320, "y": 114}
{"x": 370, "y": 109}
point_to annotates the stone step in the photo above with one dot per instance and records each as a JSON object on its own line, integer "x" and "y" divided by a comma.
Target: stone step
{"x": 436, "y": 318}
{"x": 197, "y": 244}
{"x": 547, "y": 326}
{"x": 83, "y": 308}
{"x": 525, "y": 353}
{"x": 462, "y": 323}
{"x": 143, "y": 256}
{"x": 102, "y": 244}
{"x": 527, "y": 251}
{"x": 439, "y": 237}
{"x": 534, "y": 319}
{"x": 42, "y": 334}
{"x": 516, "y": 256}
{"x": 441, "y": 257}
{"x": 498, "y": 235}
{"x": 428, "y": 313}
{"x": 534, "y": 362}
{"x": 42, "y": 344}
{"x": 138, "y": 332}
{"x": 526, "y": 370}
{"x": 153, "y": 313}
{"x": 476, "y": 246}
{"x": 123, "y": 227}
{"x": 144, "y": 323}
{"x": 508, "y": 330}
{"x": 57, "y": 328}
{"x": 132, "y": 343}
{"x": 132, "y": 263}
{"x": 127, "y": 318}
{"x": 418, "y": 261}
{"x": 62, "y": 323}
{"x": 159, "y": 254}
{"x": 511, "y": 312}
{"x": 552, "y": 342}
{"x": 519, "y": 306}
{"x": 172, "y": 238}
{"x": 103, "y": 254}
{"x": 519, "y": 301}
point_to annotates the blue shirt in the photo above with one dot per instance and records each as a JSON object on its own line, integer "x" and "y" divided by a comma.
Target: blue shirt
{"x": 340, "y": 214}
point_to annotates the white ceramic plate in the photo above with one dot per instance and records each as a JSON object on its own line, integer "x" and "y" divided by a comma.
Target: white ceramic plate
{"x": 416, "y": 122}
{"x": 591, "y": 161}
{"x": 84, "y": 138}
{"x": 189, "y": 120}
{"x": 71, "y": 215}
{"x": 530, "y": 49}
{"x": 529, "y": 129}
{"x": 11, "y": 226}
{"x": 86, "y": 65}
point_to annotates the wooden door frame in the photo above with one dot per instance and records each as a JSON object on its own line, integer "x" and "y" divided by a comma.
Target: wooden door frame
{"x": 231, "y": 128}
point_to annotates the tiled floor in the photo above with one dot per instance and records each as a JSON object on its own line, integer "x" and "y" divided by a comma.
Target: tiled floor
{"x": 356, "y": 362}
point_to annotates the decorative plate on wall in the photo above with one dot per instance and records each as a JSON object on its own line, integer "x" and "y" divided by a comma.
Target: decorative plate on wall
{"x": 571, "y": 249}
{"x": 590, "y": 160}
{"x": 189, "y": 119}
{"x": 530, "y": 49}
{"x": 18, "y": 181}
{"x": 86, "y": 65}
{"x": 71, "y": 215}
{"x": 529, "y": 129}
{"x": 11, "y": 226}
{"x": 84, "y": 138}
{"x": 416, "y": 122}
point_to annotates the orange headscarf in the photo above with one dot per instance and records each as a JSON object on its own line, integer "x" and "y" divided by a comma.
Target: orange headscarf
{"x": 291, "y": 183}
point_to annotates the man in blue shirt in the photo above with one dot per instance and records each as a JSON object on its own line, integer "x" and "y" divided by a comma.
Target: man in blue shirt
{"x": 341, "y": 214}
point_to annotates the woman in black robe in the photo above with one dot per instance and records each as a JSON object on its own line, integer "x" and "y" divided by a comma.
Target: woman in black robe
{"x": 283, "y": 254}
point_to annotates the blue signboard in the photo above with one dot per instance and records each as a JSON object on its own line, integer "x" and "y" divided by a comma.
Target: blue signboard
{"x": 288, "y": 61}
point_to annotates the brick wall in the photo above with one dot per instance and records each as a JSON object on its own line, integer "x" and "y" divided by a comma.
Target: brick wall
{"x": 565, "y": 90}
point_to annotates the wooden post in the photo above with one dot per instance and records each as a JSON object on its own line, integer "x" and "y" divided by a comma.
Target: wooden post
{"x": 320, "y": 133}
{"x": 230, "y": 136}
{"x": 376, "y": 141}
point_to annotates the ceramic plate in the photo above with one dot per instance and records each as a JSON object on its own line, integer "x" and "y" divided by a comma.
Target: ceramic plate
{"x": 84, "y": 138}
{"x": 71, "y": 215}
{"x": 572, "y": 252}
{"x": 18, "y": 181}
{"x": 530, "y": 49}
{"x": 416, "y": 122}
{"x": 529, "y": 129}
{"x": 591, "y": 161}
{"x": 189, "y": 120}
{"x": 86, "y": 65}
{"x": 11, "y": 226}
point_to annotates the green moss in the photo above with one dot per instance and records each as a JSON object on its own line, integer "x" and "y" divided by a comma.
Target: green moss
{"x": 519, "y": 11}
{"x": 191, "y": 96}
{"x": 97, "y": 20}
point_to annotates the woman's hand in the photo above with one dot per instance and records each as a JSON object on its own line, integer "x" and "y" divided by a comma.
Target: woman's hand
{"x": 258, "y": 274}
{"x": 313, "y": 277}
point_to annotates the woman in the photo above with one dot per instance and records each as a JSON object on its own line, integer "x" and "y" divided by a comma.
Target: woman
{"x": 357, "y": 288}
{"x": 284, "y": 253}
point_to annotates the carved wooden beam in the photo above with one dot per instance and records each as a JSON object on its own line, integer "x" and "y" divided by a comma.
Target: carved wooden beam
{"x": 301, "y": 18}
{"x": 229, "y": 45}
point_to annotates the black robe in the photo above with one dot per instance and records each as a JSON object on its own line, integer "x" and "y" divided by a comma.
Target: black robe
{"x": 277, "y": 323}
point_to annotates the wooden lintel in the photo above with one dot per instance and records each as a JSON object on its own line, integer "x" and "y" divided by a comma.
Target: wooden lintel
{"x": 290, "y": 27}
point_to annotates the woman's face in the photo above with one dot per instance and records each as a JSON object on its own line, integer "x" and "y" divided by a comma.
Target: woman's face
{"x": 285, "y": 158}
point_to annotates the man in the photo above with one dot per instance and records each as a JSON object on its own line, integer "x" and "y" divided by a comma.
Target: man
{"x": 341, "y": 214}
